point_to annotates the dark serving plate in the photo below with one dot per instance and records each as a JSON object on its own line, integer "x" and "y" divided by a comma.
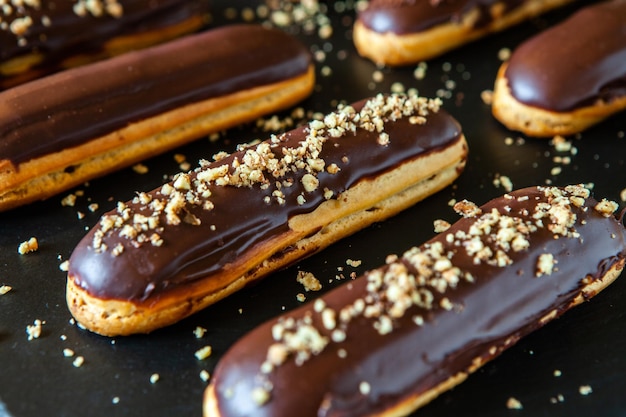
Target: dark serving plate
{"x": 544, "y": 371}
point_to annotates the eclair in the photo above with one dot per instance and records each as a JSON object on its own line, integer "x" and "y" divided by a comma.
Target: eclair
{"x": 38, "y": 37}
{"x": 403, "y": 32}
{"x": 392, "y": 340}
{"x": 171, "y": 252}
{"x": 567, "y": 78}
{"x": 58, "y": 131}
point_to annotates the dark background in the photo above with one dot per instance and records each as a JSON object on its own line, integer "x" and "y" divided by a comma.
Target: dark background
{"x": 587, "y": 345}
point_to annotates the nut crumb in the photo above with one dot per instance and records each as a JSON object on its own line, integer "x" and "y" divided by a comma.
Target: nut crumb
{"x": 5, "y": 289}
{"x": 34, "y": 330}
{"x": 441, "y": 225}
{"x": 309, "y": 281}
{"x": 513, "y": 404}
{"x": 64, "y": 266}
{"x": 78, "y": 362}
{"x": 205, "y": 375}
{"x": 31, "y": 245}
{"x": 199, "y": 332}
{"x": 353, "y": 263}
{"x": 154, "y": 378}
{"x": 140, "y": 169}
{"x": 585, "y": 389}
{"x": 204, "y": 353}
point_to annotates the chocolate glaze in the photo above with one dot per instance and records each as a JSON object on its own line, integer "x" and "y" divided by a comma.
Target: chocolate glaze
{"x": 73, "y": 107}
{"x": 243, "y": 219}
{"x": 502, "y": 305}
{"x": 411, "y": 16}
{"x": 57, "y": 32}
{"x": 575, "y": 63}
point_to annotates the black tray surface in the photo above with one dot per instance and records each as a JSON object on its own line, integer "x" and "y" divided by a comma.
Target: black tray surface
{"x": 544, "y": 371}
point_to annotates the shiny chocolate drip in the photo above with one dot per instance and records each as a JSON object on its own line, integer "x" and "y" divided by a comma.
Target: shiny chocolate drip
{"x": 411, "y": 16}
{"x": 369, "y": 372}
{"x": 244, "y": 217}
{"x": 59, "y": 29}
{"x": 575, "y": 63}
{"x": 78, "y": 105}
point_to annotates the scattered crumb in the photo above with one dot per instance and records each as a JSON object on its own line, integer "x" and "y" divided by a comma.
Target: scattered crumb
{"x": 204, "y": 375}
{"x": 64, "y": 266}
{"x": 115, "y": 400}
{"x": 300, "y": 297}
{"x": 78, "y": 362}
{"x": 441, "y": 225}
{"x": 353, "y": 263}
{"x": 557, "y": 373}
{"x": 204, "y": 353}
{"x": 420, "y": 71}
{"x": 4, "y": 289}
{"x": 585, "y": 389}
{"x": 622, "y": 194}
{"x": 154, "y": 378}
{"x": 504, "y": 54}
{"x": 487, "y": 97}
{"x": 504, "y": 182}
{"x": 93, "y": 207}
{"x": 559, "y": 398}
{"x": 69, "y": 200}
{"x": 34, "y": 330}
{"x": 199, "y": 332}
{"x": 308, "y": 280}
{"x": 140, "y": 169}
{"x": 31, "y": 245}
{"x": 513, "y": 404}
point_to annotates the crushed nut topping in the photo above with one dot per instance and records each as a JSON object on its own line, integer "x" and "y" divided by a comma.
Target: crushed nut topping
{"x": 16, "y": 16}
{"x": 271, "y": 165}
{"x": 426, "y": 277}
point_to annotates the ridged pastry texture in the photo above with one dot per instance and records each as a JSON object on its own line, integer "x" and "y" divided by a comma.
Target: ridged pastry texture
{"x": 393, "y": 339}
{"x": 175, "y": 250}
{"x": 567, "y": 78}
{"x": 59, "y": 131}
{"x": 404, "y": 32}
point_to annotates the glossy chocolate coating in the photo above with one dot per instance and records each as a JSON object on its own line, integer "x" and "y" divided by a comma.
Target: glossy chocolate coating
{"x": 575, "y": 63}
{"x": 243, "y": 219}
{"x": 58, "y": 32}
{"x": 411, "y": 16}
{"x": 502, "y": 305}
{"x": 75, "y": 106}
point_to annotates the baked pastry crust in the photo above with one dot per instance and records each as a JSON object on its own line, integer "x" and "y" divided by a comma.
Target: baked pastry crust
{"x": 330, "y": 216}
{"x": 542, "y": 123}
{"x": 395, "y": 338}
{"x": 127, "y": 133}
{"x": 397, "y": 49}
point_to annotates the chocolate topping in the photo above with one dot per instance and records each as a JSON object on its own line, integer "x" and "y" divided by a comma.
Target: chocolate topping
{"x": 81, "y": 104}
{"x": 195, "y": 227}
{"x": 60, "y": 29}
{"x": 437, "y": 311}
{"x": 411, "y": 16}
{"x": 573, "y": 64}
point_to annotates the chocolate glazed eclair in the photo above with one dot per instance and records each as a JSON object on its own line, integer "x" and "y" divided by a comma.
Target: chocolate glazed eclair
{"x": 59, "y": 131}
{"x": 393, "y": 339}
{"x": 567, "y": 78}
{"x": 177, "y": 249}
{"x": 39, "y": 37}
{"x": 403, "y": 32}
